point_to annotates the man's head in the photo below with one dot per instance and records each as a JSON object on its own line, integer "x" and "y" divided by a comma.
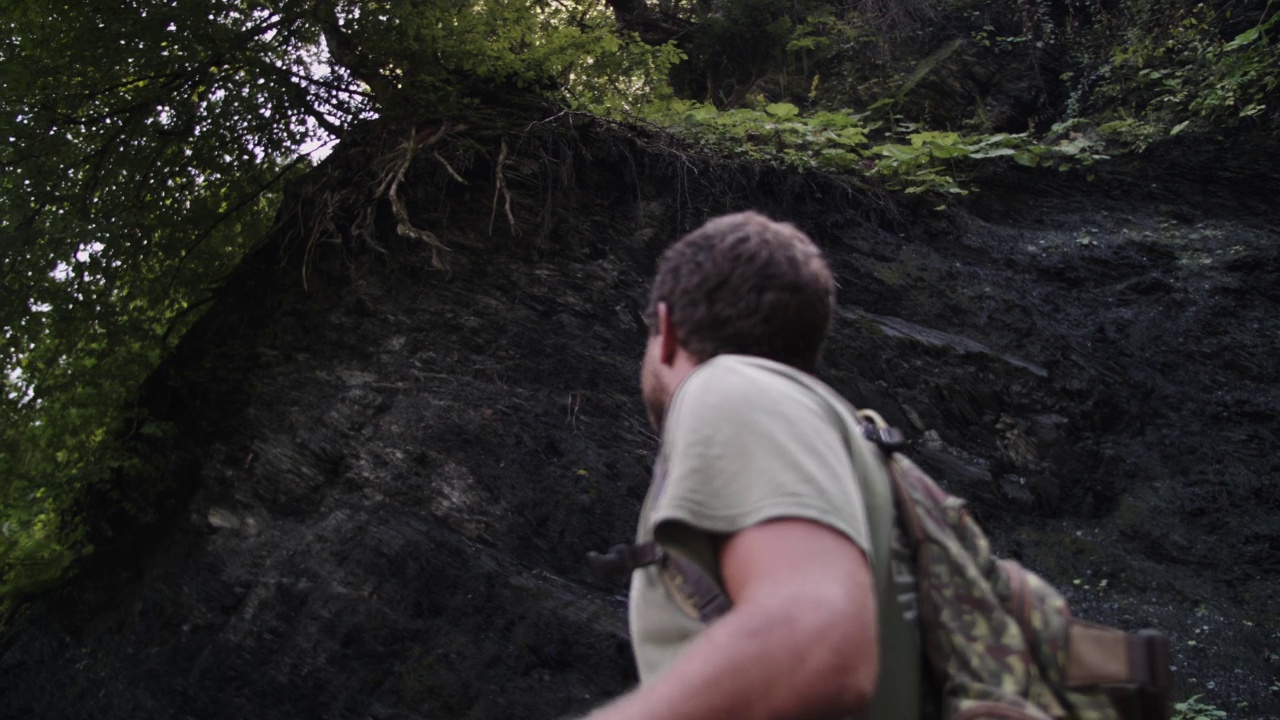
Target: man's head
{"x": 740, "y": 284}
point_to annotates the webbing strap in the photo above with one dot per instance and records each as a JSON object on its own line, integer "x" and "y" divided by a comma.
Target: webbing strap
{"x": 694, "y": 586}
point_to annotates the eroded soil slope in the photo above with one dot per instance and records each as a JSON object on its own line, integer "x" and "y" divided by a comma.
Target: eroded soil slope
{"x": 384, "y": 474}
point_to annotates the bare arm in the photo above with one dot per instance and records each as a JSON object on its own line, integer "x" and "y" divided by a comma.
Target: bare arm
{"x": 800, "y": 641}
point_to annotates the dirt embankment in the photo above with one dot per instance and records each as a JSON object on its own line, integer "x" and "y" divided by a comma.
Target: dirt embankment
{"x": 385, "y": 474}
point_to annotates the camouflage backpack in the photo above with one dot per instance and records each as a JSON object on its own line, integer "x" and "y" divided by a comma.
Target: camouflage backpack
{"x": 1000, "y": 642}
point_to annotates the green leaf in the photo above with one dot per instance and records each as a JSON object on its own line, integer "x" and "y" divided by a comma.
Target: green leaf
{"x": 1024, "y": 157}
{"x": 834, "y": 120}
{"x": 896, "y": 152}
{"x": 994, "y": 152}
{"x": 944, "y": 151}
{"x": 1247, "y": 37}
{"x": 838, "y": 159}
{"x": 782, "y": 110}
{"x": 848, "y": 136}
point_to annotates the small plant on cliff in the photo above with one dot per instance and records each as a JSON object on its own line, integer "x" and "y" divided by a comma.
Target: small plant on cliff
{"x": 1194, "y": 709}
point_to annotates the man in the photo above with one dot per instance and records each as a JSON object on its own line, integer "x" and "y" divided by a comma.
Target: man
{"x": 762, "y": 482}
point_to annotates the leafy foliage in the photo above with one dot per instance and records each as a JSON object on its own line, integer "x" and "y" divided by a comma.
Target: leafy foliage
{"x": 429, "y": 59}
{"x": 905, "y": 156}
{"x": 138, "y": 167}
{"x": 146, "y": 145}
{"x": 1185, "y": 72}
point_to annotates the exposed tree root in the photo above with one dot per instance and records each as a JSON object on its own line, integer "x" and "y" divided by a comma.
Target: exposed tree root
{"x": 500, "y": 186}
{"x": 396, "y": 167}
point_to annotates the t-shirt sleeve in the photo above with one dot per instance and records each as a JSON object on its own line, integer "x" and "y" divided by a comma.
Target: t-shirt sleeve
{"x": 744, "y": 446}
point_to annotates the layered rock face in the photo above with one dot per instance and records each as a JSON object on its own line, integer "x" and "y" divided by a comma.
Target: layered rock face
{"x": 383, "y": 474}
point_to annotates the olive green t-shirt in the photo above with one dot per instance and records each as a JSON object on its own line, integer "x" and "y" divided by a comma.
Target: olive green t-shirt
{"x": 748, "y": 440}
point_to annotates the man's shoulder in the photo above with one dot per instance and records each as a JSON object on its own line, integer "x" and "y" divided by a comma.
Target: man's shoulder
{"x": 735, "y": 374}
{"x": 734, "y": 386}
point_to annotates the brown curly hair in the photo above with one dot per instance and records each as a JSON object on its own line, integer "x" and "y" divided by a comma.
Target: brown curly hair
{"x": 749, "y": 285}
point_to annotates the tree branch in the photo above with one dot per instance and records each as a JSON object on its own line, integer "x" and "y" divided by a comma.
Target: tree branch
{"x": 244, "y": 202}
{"x": 653, "y": 27}
{"x": 348, "y": 54}
{"x": 320, "y": 83}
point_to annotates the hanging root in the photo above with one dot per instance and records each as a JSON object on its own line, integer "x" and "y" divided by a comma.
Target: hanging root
{"x": 405, "y": 228}
{"x": 319, "y": 225}
{"x": 390, "y": 186}
{"x": 500, "y": 187}
{"x": 452, "y": 173}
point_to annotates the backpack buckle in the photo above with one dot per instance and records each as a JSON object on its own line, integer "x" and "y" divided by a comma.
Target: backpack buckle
{"x": 888, "y": 439}
{"x": 615, "y": 565}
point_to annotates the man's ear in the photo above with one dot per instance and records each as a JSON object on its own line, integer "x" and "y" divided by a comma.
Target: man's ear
{"x": 668, "y": 343}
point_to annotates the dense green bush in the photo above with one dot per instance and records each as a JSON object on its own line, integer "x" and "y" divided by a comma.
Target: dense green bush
{"x": 1183, "y": 72}
{"x": 146, "y": 145}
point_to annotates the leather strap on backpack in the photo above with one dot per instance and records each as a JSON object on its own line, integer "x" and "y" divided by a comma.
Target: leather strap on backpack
{"x": 1133, "y": 667}
{"x": 693, "y": 587}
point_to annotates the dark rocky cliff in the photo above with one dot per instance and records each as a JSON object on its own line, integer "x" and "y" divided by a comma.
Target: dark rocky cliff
{"x": 383, "y": 475}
